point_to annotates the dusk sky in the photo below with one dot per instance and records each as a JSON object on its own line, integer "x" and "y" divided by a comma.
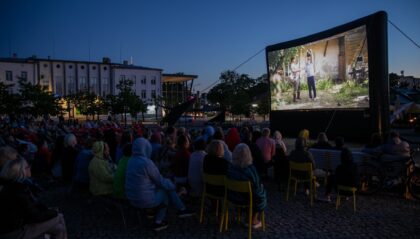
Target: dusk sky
{"x": 203, "y": 38}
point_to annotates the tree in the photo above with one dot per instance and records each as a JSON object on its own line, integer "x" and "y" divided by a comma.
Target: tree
{"x": 127, "y": 100}
{"x": 37, "y": 101}
{"x": 9, "y": 102}
{"x": 393, "y": 79}
{"x": 233, "y": 93}
{"x": 87, "y": 103}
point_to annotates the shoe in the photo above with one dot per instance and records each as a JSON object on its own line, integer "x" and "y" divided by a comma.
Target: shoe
{"x": 257, "y": 226}
{"x": 185, "y": 213}
{"x": 159, "y": 226}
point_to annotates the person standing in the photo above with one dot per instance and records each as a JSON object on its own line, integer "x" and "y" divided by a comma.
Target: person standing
{"x": 310, "y": 74}
{"x": 294, "y": 66}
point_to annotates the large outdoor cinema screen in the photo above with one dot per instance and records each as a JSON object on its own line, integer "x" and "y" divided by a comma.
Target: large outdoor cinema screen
{"x": 328, "y": 73}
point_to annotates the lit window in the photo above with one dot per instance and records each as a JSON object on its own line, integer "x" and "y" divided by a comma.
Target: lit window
{"x": 9, "y": 76}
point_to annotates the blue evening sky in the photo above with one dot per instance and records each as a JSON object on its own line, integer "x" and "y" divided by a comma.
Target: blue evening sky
{"x": 191, "y": 36}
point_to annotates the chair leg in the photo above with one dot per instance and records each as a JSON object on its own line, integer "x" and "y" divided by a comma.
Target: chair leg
{"x": 120, "y": 207}
{"x": 295, "y": 186}
{"x": 354, "y": 202}
{"x": 311, "y": 193}
{"x": 288, "y": 188}
{"x": 263, "y": 220}
{"x": 222, "y": 217}
{"x": 217, "y": 207}
{"x": 202, "y": 208}
{"x": 250, "y": 223}
{"x": 337, "y": 202}
{"x": 239, "y": 215}
{"x": 227, "y": 218}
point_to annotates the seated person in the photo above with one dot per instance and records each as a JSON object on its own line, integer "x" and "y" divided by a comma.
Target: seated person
{"x": 339, "y": 143}
{"x": 301, "y": 155}
{"x": 242, "y": 169}
{"x": 22, "y": 215}
{"x": 195, "y": 170}
{"x": 346, "y": 174}
{"x": 322, "y": 142}
{"x": 119, "y": 178}
{"x": 396, "y": 146}
{"x": 146, "y": 188}
{"x": 374, "y": 145}
{"x": 214, "y": 163}
{"x": 101, "y": 170}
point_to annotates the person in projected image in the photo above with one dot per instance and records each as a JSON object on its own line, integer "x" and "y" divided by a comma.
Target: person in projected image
{"x": 310, "y": 74}
{"x": 294, "y": 66}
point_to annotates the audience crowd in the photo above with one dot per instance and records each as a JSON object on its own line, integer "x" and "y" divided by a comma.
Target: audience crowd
{"x": 150, "y": 168}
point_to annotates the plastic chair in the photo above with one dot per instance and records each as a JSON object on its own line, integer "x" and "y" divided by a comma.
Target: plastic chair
{"x": 303, "y": 168}
{"x": 214, "y": 180}
{"x": 239, "y": 187}
{"x": 341, "y": 188}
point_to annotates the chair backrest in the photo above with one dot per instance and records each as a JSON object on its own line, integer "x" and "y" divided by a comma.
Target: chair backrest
{"x": 212, "y": 179}
{"x": 303, "y": 167}
{"x": 238, "y": 186}
{"x": 301, "y": 171}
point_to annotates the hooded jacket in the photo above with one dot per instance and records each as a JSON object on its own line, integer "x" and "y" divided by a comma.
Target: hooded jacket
{"x": 143, "y": 178}
{"x": 101, "y": 174}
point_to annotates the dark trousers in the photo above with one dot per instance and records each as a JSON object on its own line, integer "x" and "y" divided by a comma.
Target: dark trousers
{"x": 311, "y": 86}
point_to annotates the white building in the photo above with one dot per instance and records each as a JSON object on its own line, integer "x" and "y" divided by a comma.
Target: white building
{"x": 64, "y": 77}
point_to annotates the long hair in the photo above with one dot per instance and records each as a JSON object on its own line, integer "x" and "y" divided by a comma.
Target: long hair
{"x": 216, "y": 148}
{"x": 14, "y": 170}
{"x": 241, "y": 156}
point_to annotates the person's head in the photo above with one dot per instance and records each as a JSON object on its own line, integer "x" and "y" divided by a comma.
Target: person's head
{"x": 15, "y": 170}
{"x": 266, "y": 132}
{"x": 156, "y": 138}
{"x": 181, "y": 131}
{"x": 241, "y": 156}
{"x": 183, "y": 142}
{"x": 300, "y": 144}
{"x": 322, "y": 137}
{"x": 218, "y": 134}
{"x": 126, "y": 137}
{"x": 255, "y": 136}
{"x": 277, "y": 135}
{"x": 215, "y": 148}
{"x": 142, "y": 148}
{"x": 346, "y": 156}
{"x": 70, "y": 140}
{"x": 127, "y": 150}
{"x": 293, "y": 59}
{"x": 170, "y": 131}
{"x": 200, "y": 145}
{"x": 7, "y": 153}
{"x": 100, "y": 149}
{"x": 339, "y": 142}
{"x": 304, "y": 133}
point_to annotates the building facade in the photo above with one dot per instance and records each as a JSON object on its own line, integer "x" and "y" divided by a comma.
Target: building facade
{"x": 64, "y": 77}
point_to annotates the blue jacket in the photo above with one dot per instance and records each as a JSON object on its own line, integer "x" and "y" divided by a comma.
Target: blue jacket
{"x": 143, "y": 178}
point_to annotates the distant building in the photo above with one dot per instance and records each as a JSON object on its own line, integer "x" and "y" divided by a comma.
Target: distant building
{"x": 409, "y": 82}
{"x": 176, "y": 88}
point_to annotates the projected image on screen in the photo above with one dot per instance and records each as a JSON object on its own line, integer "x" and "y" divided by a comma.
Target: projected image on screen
{"x": 329, "y": 73}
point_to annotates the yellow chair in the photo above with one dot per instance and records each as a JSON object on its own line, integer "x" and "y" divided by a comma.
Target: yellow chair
{"x": 214, "y": 180}
{"x": 341, "y": 188}
{"x": 305, "y": 168}
{"x": 239, "y": 187}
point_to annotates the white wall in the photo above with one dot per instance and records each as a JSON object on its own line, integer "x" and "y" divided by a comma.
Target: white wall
{"x": 17, "y": 69}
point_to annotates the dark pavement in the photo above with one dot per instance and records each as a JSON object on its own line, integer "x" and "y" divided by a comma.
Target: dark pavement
{"x": 383, "y": 215}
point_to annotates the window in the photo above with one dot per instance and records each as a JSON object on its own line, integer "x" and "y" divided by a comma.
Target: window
{"x": 153, "y": 81}
{"x": 82, "y": 83}
{"x": 105, "y": 86}
{"x": 153, "y": 94}
{"x": 70, "y": 66}
{"x": 105, "y": 68}
{"x": 45, "y": 65}
{"x": 82, "y": 67}
{"x": 143, "y": 94}
{"x": 122, "y": 77}
{"x": 93, "y": 85}
{"x": 93, "y": 67}
{"x": 9, "y": 76}
{"x": 24, "y": 75}
{"x": 143, "y": 80}
{"x": 58, "y": 66}
{"x": 59, "y": 85}
{"x": 71, "y": 86}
